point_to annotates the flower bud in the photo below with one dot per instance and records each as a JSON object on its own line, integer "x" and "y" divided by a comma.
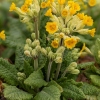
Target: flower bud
{"x": 34, "y": 53}
{"x": 75, "y": 71}
{"x": 35, "y": 43}
{"x": 73, "y": 64}
{"x": 88, "y": 51}
{"x": 33, "y": 36}
{"x": 38, "y": 48}
{"x": 48, "y": 49}
{"x": 51, "y": 55}
{"x": 26, "y": 47}
{"x": 27, "y": 53}
{"x": 28, "y": 41}
{"x": 60, "y": 49}
{"x": 43, "y": 51}
{"x": 54, "y": 10}
{"x": 20, "y": 78}
{"x": 66, "y": 31}
{"x": 19, "y": 74}
{"x": 83, "y": 31}
{"x": 25, "y": 19}
{"x": 58, "y": 60}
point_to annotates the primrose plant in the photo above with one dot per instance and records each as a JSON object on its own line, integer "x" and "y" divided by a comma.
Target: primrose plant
{"x": 46, "y": 67}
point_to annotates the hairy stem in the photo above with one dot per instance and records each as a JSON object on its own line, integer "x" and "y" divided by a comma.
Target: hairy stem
{"x": 57, "y": 71}
{"x": 64, "y": 73}
{"x": 59, "y": 65}
{"x": 49, "y": 70}
{"x": 36, "y": 27}
{"x": 35, "y": 63}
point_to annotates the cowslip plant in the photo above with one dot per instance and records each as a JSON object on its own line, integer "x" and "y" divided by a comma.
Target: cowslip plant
{"x": 46, "y": 68}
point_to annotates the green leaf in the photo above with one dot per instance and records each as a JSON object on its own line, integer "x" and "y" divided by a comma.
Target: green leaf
{"x": 85, "y": 65}
{"x": 98, "y": 97}
{"x": 95, "y": 79}
{"x": 72, "y": 91}
{"x": 56, "y": 84}
{"x": 13, "y": 93}
{"x": 8, "y": 72}
{"x": 49, "y": 93}
{"x": 20, "y": 58}
{"x": 27, "y": 68}
{"x": 15, "y": 35}
{"x": 35, "y": 79}
{"x": 89, "y": 89}
{"x": 96, "y": 49}
{"x": 42, "y": 61}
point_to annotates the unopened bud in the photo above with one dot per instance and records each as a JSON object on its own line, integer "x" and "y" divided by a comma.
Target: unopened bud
{"x": 43, "y": 51}
{"x": 34, "y": 53}
{"x": 28, "y": 41}
{"x": 51, "y": 55}
{"x": 27, "y": 53}
{"x": 26, "y": 47}
{"x": 19, "y": 74}
{"x": 60, "y": 49}
{"x": 48, "y": 49}
{"x": 75, "y": 71}
{"x": 66, "y": 30}
{"x": 38, "y": 48}
{"x": 58, "y": 60}
{"x": 20, "y": 78}
{"x": 33, "y": 36}
{"x": 73, "y": 64}
{"x": 35, "y": 43}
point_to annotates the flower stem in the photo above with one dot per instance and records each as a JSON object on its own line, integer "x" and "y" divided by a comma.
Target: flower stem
{"x": 49, "y": 70}
{"x": 35, "y": 63}
{"x": 36, "y": 27}
{"x": 59, "y": 65}
{"x": 64, "y": 73}
{"x": 57, "y": 71}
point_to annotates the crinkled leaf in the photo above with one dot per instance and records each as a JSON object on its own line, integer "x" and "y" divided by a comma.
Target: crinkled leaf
{"x": 35, "y": 79}
{"x": 72, "y": 91}
{"x": 49, "y": 93}
{"x": 13, "y": 93}
{"x": 8, "y": 72}
{"x": 95, "y": 79}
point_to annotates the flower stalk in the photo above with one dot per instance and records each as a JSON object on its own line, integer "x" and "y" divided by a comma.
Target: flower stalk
{"x": 36, "y": 27}
{"x": 35, "y": 63}
{"x": 49, "y": 70}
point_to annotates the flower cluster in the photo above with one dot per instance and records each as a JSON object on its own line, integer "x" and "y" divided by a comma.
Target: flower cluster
{"x": 64, "y": 21}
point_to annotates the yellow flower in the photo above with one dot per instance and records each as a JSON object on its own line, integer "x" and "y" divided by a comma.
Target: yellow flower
{"x": 72, "y": 11}
{"x": 70, "y": 3}
{"x": 43, "y": 5}
{"x": 61, "y": 2}
{"x": 28, "y": 2}
{"x": 92, "y": 2}
{"x": 49, "y": 12}
{"x": 76, "y": 6}
{"x": 92, "y": 32}
{"x": 51, "y": 27}
{"x": 2, "y": 35}
{"x": 80, "y": 15}
{"x": 64, "y": 13}
{"x": 24, "y": 8}
{"x": 70, "y": 42}
{"x": 55, "y": 44}
{"x": 12, "y": 7}
{"x": 87, "y": 20}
